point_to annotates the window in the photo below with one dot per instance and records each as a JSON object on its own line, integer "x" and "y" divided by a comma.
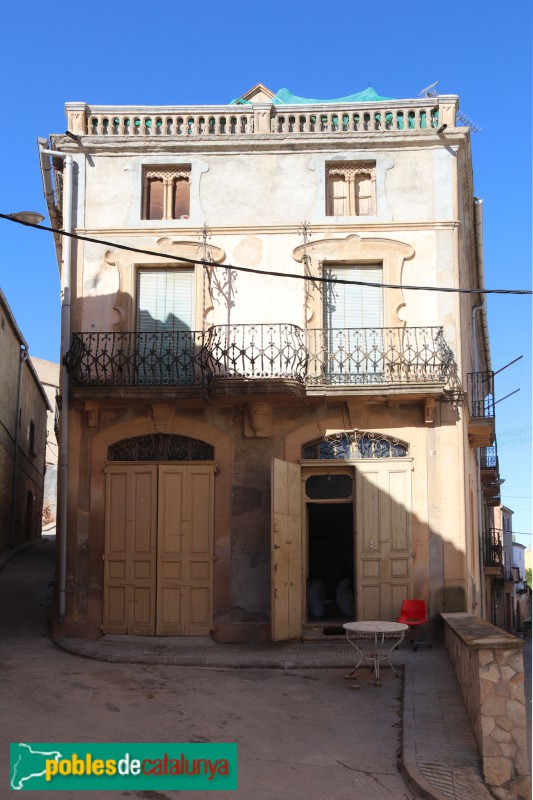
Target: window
{"x": 351, "y": 189}
{"x": 32, "y": 437}
{"x": 165, "y": 349}
{"x": 349, "y": 305}
{"x": 161, "y": 447}
{"x": 167, "y": 192}
{"x": 165, "y": 300}
{"x": 353, "y": 324}
{"x": 350, "y": 445}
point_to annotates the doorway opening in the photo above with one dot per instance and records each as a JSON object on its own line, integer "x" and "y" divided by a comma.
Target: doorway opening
{"x": 330, "y": 560}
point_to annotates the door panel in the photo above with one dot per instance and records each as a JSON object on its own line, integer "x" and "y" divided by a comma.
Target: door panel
{"x": 383, "y": 511}
{"x": 129, "y": 565}
{"x": 158, "y": 558}
{"x": 199, "y": 539}
{"x": 171, "y": 558}
{"x": 184, "y": 551}
{"x": 286, "y": 550}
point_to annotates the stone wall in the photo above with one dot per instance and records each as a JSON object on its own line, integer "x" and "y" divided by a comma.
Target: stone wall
{"x": 489, "y": 666}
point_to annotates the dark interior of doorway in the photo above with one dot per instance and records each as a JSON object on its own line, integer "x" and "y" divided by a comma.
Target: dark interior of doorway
{"x": 330, "y": 579}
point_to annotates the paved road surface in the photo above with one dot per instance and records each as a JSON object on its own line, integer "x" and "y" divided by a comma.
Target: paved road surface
{"x": 302, "y": 734}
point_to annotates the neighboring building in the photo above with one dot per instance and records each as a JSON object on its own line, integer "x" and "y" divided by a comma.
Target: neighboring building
{"x": 48, "y": 373}
{"x": 522, "y": 609}
{"x": 250, "y": 455}
{"x": 23, "y": 408}
{"x": 509, "y": 591}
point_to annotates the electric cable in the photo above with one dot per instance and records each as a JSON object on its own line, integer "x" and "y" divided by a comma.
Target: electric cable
{"x": 270, "y": 273}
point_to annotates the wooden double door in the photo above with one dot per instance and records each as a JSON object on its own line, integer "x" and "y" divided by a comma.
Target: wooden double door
{"x": 158, "y": 560}
{"x": 380, "y": 524}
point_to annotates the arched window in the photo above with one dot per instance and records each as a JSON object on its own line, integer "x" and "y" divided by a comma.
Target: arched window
{"x": 351, "y": 445}
{"x": 161, "y": 447}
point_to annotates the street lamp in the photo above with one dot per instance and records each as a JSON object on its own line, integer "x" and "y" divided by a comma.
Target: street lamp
{"x": 31, "y": 217}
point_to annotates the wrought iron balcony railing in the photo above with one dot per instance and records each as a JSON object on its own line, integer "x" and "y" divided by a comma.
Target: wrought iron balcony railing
{"x": 493, "y": 548}
{"x": 340, "y": 357}
{"x": 136, "y": 359}
{"x": 481, "y": 394}
{"x": 366, "y": 356}
{"x": 255, "y": 351}
{"x": 488, "y": 457}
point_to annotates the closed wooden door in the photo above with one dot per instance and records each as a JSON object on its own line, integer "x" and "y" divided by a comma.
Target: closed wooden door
{"x": 158, "y": 559}
{"x": 383, "y": 529}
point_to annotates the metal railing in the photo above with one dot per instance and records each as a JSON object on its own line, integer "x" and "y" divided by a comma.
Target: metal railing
{"x": 488, "y": 457}
{"x": 367, "y": 356}
{"x": 340, "y": 357}
{"x": 492, "y": 548}
{"x": 480, "y": 387}
{"x": 136, "y": 359}
{"x": 255, "y": 352}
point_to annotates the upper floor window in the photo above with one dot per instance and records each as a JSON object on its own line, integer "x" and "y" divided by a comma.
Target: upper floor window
{"x": 351, "y": 189}
{"x": 167, "y": 192}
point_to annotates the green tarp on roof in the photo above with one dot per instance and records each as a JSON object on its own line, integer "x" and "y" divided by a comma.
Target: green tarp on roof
{"x": 285, "y": 97}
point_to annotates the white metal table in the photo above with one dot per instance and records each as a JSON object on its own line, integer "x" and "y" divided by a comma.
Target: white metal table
{"x": 374, "y": 640}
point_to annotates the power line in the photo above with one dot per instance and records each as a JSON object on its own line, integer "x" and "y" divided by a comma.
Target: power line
{"x": 270, "y": 273}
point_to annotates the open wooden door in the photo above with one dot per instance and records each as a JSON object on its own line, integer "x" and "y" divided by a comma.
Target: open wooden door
{"x": 384, "y": 550}
{"x": 286, "y": 550}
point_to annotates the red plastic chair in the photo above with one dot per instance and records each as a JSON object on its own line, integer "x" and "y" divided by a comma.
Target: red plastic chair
{"x": 414, "y": 613}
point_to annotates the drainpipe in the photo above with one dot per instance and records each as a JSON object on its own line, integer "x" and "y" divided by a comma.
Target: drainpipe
{"x": 481, "y": 308}
{"x": 22, "y": 359}
{"x": 66, "y": 276}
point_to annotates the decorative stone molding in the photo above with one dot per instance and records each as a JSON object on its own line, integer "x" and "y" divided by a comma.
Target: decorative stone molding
{"x": 355, "y": 250}
{"x": 162, "y": 416}
{"x": 257, "y": 421}
{"x": 429, "y": 410}
{"x": 357, "y": 413}
{"x": 92, "y": 409}
{"x": 76, "y": 117}
{"x": 124, "y": 262}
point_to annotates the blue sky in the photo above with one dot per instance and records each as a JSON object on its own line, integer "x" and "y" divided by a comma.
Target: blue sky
{"x": 133, "y": 52}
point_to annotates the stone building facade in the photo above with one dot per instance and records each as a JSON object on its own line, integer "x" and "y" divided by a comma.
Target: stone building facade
{"x": 268, "y": 431}
{"x": 23, "y": 408}
{"x": 48, "y": 373}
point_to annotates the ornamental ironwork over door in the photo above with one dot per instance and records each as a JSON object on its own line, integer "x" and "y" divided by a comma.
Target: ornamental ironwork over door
{"x": 158, "y": 557}
{"x": 384, "y": 549}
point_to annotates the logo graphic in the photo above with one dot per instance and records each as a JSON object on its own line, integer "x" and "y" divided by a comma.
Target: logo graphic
{"x": 113, "y": 767}
{"x": 29, "y": 764}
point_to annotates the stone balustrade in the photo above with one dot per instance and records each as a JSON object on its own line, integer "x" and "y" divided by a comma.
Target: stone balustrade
{"x": 489, "y": 666}
{"x": 262, "y": 118}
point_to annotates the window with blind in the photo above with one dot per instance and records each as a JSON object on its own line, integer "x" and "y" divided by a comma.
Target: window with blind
{"x": 353, "y": 323}
{"x": 165, "y": 327}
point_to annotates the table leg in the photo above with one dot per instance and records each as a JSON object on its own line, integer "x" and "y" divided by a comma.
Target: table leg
{"x": 396, "y": 644}
{"x": 359, "y": 656}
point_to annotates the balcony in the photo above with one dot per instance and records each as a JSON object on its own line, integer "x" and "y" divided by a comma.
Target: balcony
{"x": 488, "y": 463}
{"x": 480, "y": 391}
{"x": 263, "y": 358}
{"x": 493, "y": 551}
{"x": 377, "y": 357}
{"x": 171, "y": 123}
{"x": 490, "y": 476}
